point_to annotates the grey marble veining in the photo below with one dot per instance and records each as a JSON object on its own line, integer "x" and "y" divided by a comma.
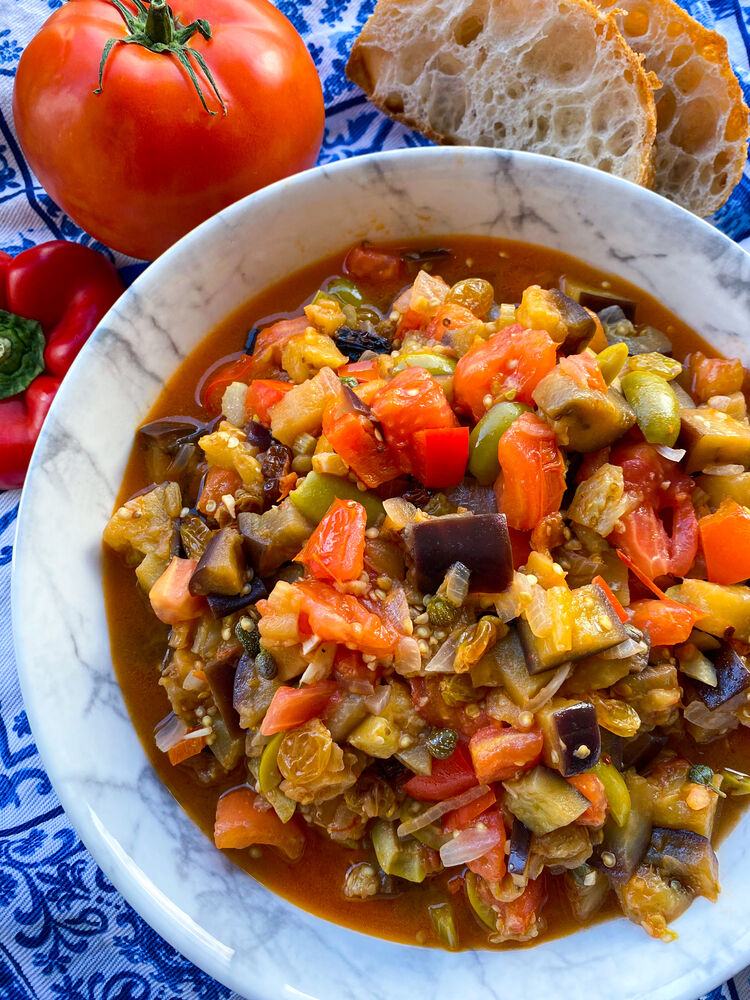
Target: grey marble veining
{"x": 214, "y": 913}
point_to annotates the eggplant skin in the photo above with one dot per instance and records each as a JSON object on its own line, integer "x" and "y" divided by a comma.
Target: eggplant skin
{"x": 687, "y": 857}
{"x": 732, "y": 676}
{"x": 520, "y": 845}
{"x": 479, "y": 541}
{"x": 572, "y": 739}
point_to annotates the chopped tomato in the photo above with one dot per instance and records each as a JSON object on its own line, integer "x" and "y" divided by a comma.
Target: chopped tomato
{"x": 242, "y": 820}
{"x": 533, "y": 472}
{"x": 449, "y": 317}
{"x": 336, "y": 549}
{"x": 217, "y": 484}
{"x": 493, "y": 864}
{"x": 584, "y": 371}
{"x": 449, "y": 777}
{"x": 520, "y": 541}
{"x": 373, "y": 265}
{"x": 517, "y": 918}
{"x": 189, "y": 746}
{"x": 500, "y": 753}
{"x": 509, "y": 365}
{"x": 713, "y": 377}
{"x": 661, "y": 491}
{"x": 420, "y": 303}
{"x": 170, "y": 597}
{"x": 461, "y": 818}
{"x": 725, "y": 538}
{"x": 593, "y": 788}
{"x": 270, "y": 343}
{"x": 342, "y": 618}
{"x": 666, "y": 621}
{"x": 412, "y": 401}
{"x": 441, "y": 455}
{"x": 429, "y": 702}
{"x": 292, "y": 707}
{"x": 618, "y": 608}
{"x": 263, "y": 394}
{"x": 363, "y": 371}
{"x": 220, "y": 378}
{"x": 355, "y": 438}
{"x": 351, "y": 670}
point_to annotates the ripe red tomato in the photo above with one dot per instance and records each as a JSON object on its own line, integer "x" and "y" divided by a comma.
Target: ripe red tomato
{"x": 143, "y": 162}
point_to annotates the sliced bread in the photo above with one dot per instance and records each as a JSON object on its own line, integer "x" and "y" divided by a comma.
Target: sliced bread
{"x": 702, "y": 120}
{"x": 547, "y": 76}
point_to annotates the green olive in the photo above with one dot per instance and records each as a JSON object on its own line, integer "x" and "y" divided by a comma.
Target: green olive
{"x": 657, "y": 364}
{"x": 483, "y": 463}
{"x": 435, "y": 364}
{"x": 656, "y": 406}
{"x": 474, "y": 294}
{"x": 345, "y": 291}
{"x": 269, "y": 775}
{"x": 611, "y": 361}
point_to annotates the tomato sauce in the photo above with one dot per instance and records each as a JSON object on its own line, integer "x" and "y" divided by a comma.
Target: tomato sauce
{"x": 138, "y": 639}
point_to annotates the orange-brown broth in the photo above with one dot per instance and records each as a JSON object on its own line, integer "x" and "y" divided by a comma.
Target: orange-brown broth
{"x": 138, "y": 639}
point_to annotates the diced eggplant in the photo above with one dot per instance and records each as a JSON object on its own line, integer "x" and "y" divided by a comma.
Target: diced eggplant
{"x": 638, "y": 751}
{"x": 169, "y": 435}
{"x": 504, "y": 665}
{"x": 406, "y": 858}
{"x": 571, "y": 736}
{"x": 623, "y": 847}
{"x": 652, "y": 901}
{"x": 586, "y": 889}
{"x": 221, "y": 568}
{"x": 562, "y": 316}
{"x": 344, "y": 713}
{"x": 583, "y": 419}
{"x": 252, "y": 693}
{"x": 712, "y": 437}
{"x": 479, "y": 541}
{"x": 195, "y": 535}
{"x": 227, "y": 749}
{"x": 687, "y": 857}
{"x": 221, "y": 605}
{"x": 608, "y": 667}
{"x": 353, "y": 343}
{"x": 612, "y": 747}
{"x": 595, "y": 628}
{"x": 543, "y": 801}
{"x": 670, "y": 787}
{"x": 597, "y": 299}
{"x": 732, "y": 677}
{"x": 520, "y": 845}
{"x": 220, "y": 676}
{"x": 275, "y": 537}
{"x": 726, "y": 609}
{"x": 619, "y": 329}
{"x": 257, "y": 435}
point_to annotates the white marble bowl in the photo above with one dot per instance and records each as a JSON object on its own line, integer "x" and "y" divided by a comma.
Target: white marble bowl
{"x": 235, "y": 929}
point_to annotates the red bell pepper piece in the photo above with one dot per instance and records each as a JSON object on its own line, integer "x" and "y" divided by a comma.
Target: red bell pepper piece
{"x": 292, "y": 707}
{"x": 725, "y": 537}
{"x": 54, "y": 295}
{"x": 449, "y": 777}
{"x": 440, "y": 455}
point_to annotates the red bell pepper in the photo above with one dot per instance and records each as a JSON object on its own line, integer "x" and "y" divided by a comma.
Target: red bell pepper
{"x": 441, "y": 455}
{"x": 449, "y": 777}
{"x": 725, "y": 537}
{"x": 52, "y": 296}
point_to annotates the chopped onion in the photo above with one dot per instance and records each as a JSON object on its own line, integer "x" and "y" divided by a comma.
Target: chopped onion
{"x": 628, "y": 647}
{"x": 511, "y": 603}
{"x": 442, "y": 661}
{"x": 699, "y": 667}
{"x": 715, "y": 722}
{"x": 193, "y": 683}
{"x": 396, "y": 610}
{"x": 456, "y": 584}
{"x": 375, "y": 703}
{"x": 169, "y": 731}
{"x": 233, "y": 403}
{"x": 549, "y": 689}
{"x": 408, "y": 659}
{"x": 723, "y": 470}
{"x": 439, "y": 810}
{"x": 468, "y": 846}
{"x": 399, "y": 511}
{"x": 671, "y": 454}
{"x": 538, "y": 613}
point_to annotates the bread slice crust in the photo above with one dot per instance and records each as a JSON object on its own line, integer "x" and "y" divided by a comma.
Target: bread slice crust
{"x": 546, "y": 76}
{"x": 702, "y": 119}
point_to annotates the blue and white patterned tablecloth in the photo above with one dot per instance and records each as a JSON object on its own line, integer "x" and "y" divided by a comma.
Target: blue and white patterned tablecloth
{"x": 65, "y": 933}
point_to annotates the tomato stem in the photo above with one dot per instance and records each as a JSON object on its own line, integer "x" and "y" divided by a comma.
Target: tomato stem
{"x": 157, "y": 29}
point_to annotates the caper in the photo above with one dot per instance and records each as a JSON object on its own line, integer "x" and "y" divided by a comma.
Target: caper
{"x": 440, "y": 612}
{"x": 248, "y": 636}
{"x": 442, "y": 742}
{"x": 474, "y": 294}
{"x": 700, "y": 774}
{"x": 265, "y": 665}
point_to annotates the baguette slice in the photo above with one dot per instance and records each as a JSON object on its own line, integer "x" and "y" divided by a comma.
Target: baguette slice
{"x": 702, "y": 120}
{"x": 547, "y": 76}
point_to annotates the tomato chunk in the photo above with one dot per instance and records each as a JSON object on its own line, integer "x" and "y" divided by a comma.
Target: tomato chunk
{"x": 270, "y": 343}
{"x": 725, "y": 538}
{"x": 449, "y": 316}
{"x": 170, "y": 598}
{"x": 217, "y": 381}
{"x": 492, "y": 865}
{"x": 666, "y": 621}
{"x": 342, "y": 618}
{"x": 498, "y": 754}
{"x": 291, "y": 707}
{"x": 509, "y": 365}
{"x": 373, "y": 265}
{"x": 217, "y": 484}
{"x": 533, "y": 472}
{"x": 354, "y": 437}
{"x": 336, "y": 549}
{"x": 241, "y": 822}
{"x": 449, "y": 777}
{"x": 263, "y": 394}
{"x": 593, "y": 788}
{"x": 461, "y": 818}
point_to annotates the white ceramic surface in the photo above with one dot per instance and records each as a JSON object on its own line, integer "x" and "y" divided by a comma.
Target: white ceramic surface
{"x": 214, "y": 913}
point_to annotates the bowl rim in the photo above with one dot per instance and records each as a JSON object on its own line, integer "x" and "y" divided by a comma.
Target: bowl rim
{"x": 124, "y": 875}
